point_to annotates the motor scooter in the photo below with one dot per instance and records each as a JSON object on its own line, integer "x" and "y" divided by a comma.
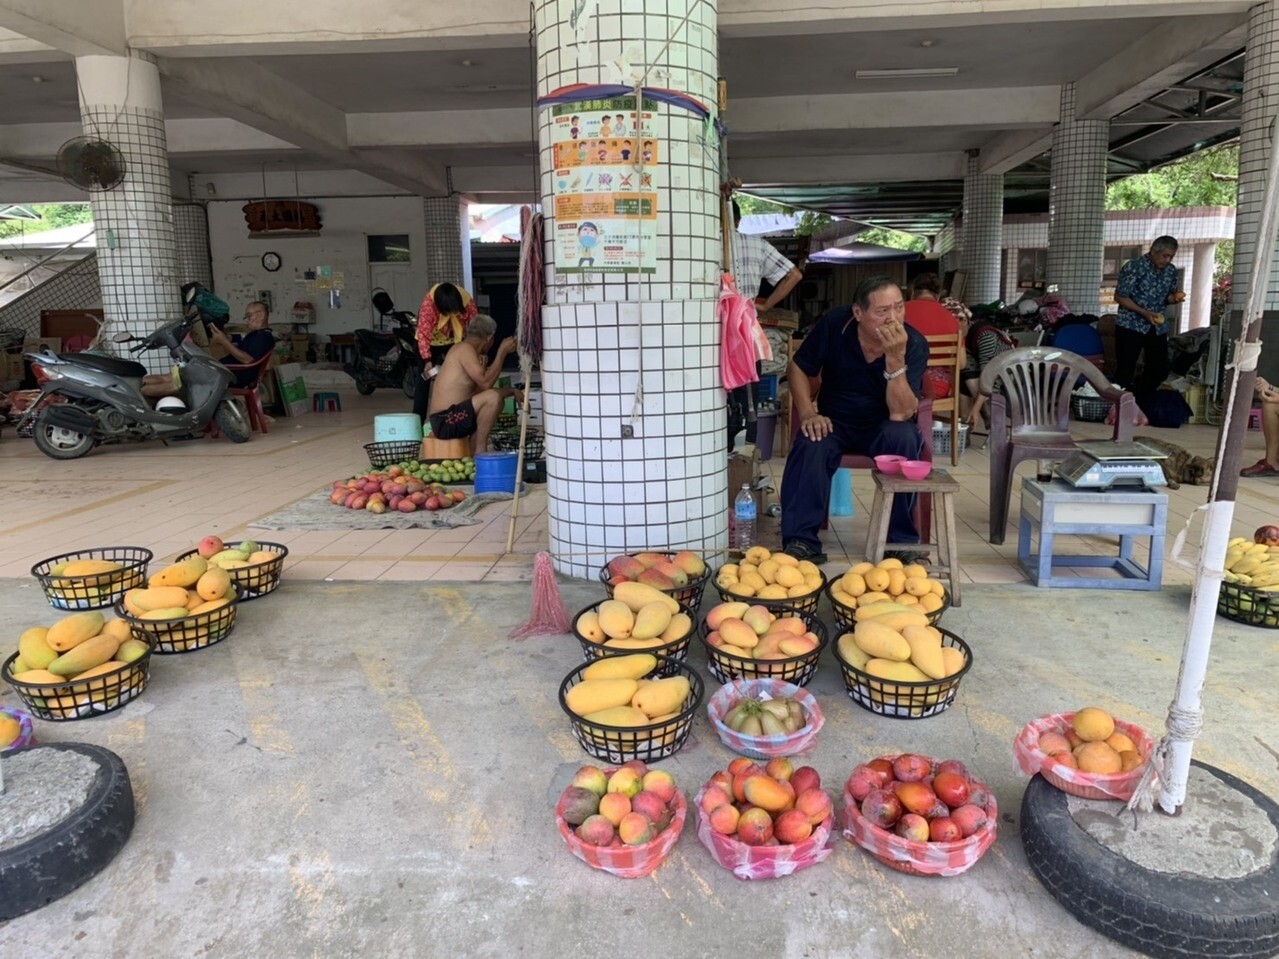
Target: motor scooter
{"x": 387, "y": 360}
{"x": 88, "y": 400}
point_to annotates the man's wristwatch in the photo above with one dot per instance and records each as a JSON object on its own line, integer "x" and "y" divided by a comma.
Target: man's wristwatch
{"x": 894, "y": 374}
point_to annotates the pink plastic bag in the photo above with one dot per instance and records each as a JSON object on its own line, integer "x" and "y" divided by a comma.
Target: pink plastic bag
{"x": 763, "y": 862}
{"x": 1031, "y": 759}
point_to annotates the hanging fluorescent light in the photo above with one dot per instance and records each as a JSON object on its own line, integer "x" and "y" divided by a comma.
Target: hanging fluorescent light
{"x": 906, "y": 72}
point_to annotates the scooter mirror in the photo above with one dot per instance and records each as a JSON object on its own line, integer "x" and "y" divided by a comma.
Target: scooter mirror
{"x": 122, "y": 338}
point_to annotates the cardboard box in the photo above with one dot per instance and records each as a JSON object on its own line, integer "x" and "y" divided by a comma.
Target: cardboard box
{"x": 33, "y": 345}
{"x": 298, "y": 345}
{"x": 11, "y": 366}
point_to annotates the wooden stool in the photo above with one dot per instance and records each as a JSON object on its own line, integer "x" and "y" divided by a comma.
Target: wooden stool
{"x": 938, "y": 484}
{"x": 436, "y": 449}
{"x": 326, "y": 402}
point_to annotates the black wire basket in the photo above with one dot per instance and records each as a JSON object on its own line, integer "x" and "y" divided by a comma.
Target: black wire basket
{"x": 845, "y": 615}
{"x": 902, "y": 700}
{"x": 1090, "y": 409}
{"x": 507, "y": 440}
{"x": 620, "y": 744}
{"x": 254, "y": 582}
{"x": 81, "y": 698}
{"x": 689, "y": 595}
{"x": 186, "y": 634}
{"x": 807, "y": 603}
{"x": 673, "y": 652}
{"x": 1248, "y": 605}
{"x": 391, "y": 452}
{"x": 96, "y": 590}
{"x": 727, "y": 666}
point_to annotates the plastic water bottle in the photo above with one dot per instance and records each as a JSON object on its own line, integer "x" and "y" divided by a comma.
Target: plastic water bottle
{"x": 744, "y": 514}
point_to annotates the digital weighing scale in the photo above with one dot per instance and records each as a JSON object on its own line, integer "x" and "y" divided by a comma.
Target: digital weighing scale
{"x": 1103, "y": 465}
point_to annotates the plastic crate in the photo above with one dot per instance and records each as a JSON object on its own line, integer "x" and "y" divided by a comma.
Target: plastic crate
{"x": 941, "y": 440}
{"x": 1090, "y": 409}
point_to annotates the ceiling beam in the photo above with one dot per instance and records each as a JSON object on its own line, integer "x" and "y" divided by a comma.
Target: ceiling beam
{"x": 851, "y": 169}
{"x": 72, "y": 26}
{"x": 260, "y": 99}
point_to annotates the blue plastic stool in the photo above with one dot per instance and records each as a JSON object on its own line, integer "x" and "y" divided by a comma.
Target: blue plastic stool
{"x": 841, "y": 493}
{"x": 326, "y": 403}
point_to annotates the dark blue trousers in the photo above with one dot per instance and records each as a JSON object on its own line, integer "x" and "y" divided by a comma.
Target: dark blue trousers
{"x": 810, "y": 467}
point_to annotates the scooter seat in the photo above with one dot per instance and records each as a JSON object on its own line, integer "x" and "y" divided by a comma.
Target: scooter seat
{"x": 107, "y": 364}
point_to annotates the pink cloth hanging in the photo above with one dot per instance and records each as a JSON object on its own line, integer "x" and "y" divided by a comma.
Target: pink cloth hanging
{"x": 737, "y": 351}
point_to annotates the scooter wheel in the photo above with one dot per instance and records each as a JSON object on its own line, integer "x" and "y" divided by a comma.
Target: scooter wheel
{"x": 364, "y": 386}
{"x": 59, "y": 443}
{"x": 409, "y": 386}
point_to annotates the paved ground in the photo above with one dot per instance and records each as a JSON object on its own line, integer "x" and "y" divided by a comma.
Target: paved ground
{"x": 368, "y": 768}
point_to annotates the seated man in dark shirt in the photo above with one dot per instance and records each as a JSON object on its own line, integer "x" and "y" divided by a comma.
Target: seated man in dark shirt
{"x": 872, "y": 372}
{"x": 254, "y": 345}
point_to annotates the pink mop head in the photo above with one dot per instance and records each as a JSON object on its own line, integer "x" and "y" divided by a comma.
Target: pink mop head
{"x": 549, "y": 617}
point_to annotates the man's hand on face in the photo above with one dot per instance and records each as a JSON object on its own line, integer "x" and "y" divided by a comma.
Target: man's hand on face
{"x": 892, "y": 334}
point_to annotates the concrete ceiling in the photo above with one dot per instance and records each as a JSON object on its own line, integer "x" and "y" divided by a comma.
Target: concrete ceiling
{"x": 400, "y": 99}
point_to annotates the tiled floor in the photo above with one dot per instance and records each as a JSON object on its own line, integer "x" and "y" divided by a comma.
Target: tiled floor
{"x": 167, "y": 498}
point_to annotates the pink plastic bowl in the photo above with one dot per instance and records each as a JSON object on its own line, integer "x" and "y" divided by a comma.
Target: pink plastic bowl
{"x": 916, "y": 469}
{"x": 889, "y": 463}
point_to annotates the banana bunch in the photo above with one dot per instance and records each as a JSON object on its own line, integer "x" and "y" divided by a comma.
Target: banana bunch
{"x": 1252, "y": 564}
{"x": 766, "y": 717}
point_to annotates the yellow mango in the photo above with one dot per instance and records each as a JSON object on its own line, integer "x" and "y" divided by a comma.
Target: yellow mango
{"x": 626, "y": 716}
{"x": 34, "y": 649}
{"x": 915, "y": 571}
{"x": 925, "y": 651}
{"x": 896, "y": 582}
{"x": 664, "y": 735}
{"x": 213, "y": 583}
{"x": 902, "y": 672}
{"x": 92, "y": 652}
{"x": 592, "y": 695}
{"x": 917, "y": 586}
{"x": 862, "y": 568}
{"x": 854, "y": 584}
{"x": 881, "y": 642}
{"x": 853, "y": 654}
{"x": 209, "y": 607}
{"x": 638, "y": 595}
{"x": 900, "y": 619}
{"x": 679, "y": 627}
{"x": 890, "y": 562}
{"x": 165, "y": 597}
{"x": 635, "y": 667}
{"x": 651, "y": 621}
{"x": 72, "y": 630}
{"x": 630, "y": 642}
{"x": 953, "y": 659}
{"x": 870, "y": 599}
{"x": 865, "y": 612}
{"x": 117, "y": 628}
{"x": 777, "y": 591}
{"x": 616, "y": 618}
{"x": 262, "y": 556}
{"x": 110, "y": 666}
{"x": 131, "y": 650}
{"x": 39, "y": 677}
{"x": 931, "y": 603}
{"x": 88, "y": 567}
{"x": 661, "y": 697}
{"x": 184, "y": 574}
{"x": 176, "y": 612}
{"x": 588, "y": 625}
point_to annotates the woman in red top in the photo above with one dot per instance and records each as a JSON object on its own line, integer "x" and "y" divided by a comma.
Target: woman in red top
{"x": 926, "y": 314}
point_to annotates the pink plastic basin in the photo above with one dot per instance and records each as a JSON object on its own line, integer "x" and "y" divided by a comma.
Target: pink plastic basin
{"x": 889, "y": 463}
{"x": 916, "y": 469}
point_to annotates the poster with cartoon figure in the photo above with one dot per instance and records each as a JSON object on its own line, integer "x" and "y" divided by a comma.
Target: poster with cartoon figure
{"x": 605, "y": 201}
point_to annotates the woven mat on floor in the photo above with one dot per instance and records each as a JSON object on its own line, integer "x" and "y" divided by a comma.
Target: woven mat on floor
{"x": 317, "y": 513}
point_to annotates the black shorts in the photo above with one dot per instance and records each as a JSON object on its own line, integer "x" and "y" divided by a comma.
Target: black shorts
{"x": 455, "y": 422}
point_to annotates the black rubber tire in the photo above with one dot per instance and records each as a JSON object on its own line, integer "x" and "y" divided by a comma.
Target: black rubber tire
{"x": 364, "y": 386}
{"x": 409, "y": 386}
{"x": 75, "y": 850}
{"x": 232, "y": 422}
{"x": 43, "y": 436}
{"x": 1159, "y": 914}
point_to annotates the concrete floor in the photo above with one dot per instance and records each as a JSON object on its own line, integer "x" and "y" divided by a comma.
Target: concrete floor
{"x": 367, "y": 765}
{"x": 369, "y": 769}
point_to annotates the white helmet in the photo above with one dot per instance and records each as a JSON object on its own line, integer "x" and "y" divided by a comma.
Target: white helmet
{"x": 1027, "y": 307}
{"x": 170, "y": 404}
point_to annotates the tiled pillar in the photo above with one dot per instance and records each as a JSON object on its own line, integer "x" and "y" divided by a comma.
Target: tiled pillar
{"x": 137, "y": 252}
{"x": 636, "y": 352}
{"x": 983, "y": 230}
{"x": 1077, "y": 206}
{"x": 1199, "y": 291}
{"x": 1010, "y": 291}
{"x": 448, "y": 241}
{"x": 1260, "y": 94}
{"x": 191, "y": 230}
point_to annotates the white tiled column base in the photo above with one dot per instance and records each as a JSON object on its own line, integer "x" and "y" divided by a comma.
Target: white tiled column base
{"x": 667, "y": 486}
{"x": 137, "y": 249}
{"x": 983, "y": 231}
{"x": 1077, "y": 206}
{"x": 1260, "y": 93}
{"x": 191, "y": 229}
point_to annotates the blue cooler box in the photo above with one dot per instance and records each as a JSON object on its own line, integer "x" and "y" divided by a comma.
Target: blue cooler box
{"x": 397, "y": 427}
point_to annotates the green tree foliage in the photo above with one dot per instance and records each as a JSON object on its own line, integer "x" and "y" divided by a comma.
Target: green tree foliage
{"x": 52, "y": 217}
{"x": 894, "y": 239}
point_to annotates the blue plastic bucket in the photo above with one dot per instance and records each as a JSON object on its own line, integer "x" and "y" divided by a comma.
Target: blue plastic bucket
{"x": 495, "y": 472}
{"x": 391, "y": 427}
{"x": 841, "y": 493}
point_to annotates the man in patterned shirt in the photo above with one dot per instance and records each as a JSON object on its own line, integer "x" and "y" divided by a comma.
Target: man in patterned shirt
{"x": 1146, "y": 285}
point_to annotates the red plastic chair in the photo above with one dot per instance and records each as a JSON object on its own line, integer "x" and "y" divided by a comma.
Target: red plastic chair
{"x": 252, "y": 394}
{"x": 856, "y": 461}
